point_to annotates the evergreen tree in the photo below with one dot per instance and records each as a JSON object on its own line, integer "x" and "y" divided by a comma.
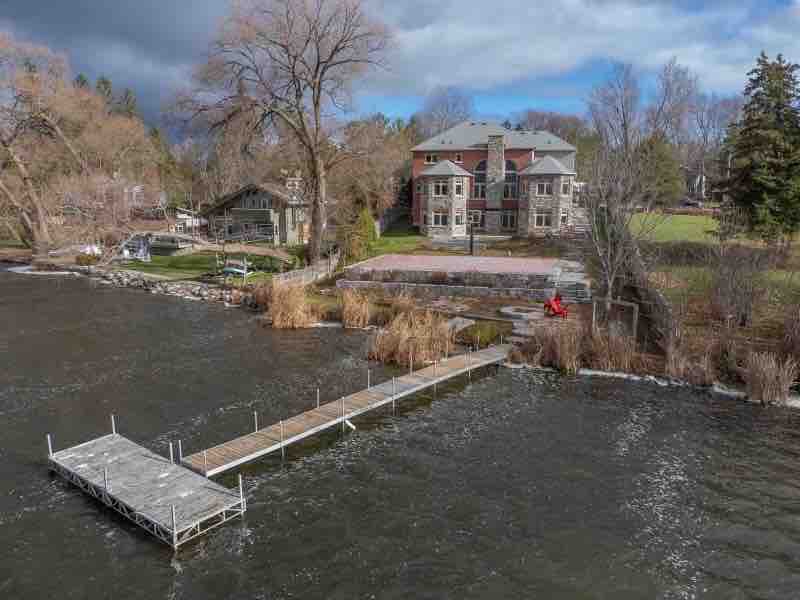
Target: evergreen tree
{"x": 104, "y": 88}
{"x": 127, "y": 105}
{"x": 667, "y": 183}
{"x": 765, "y": 146}
{"x": 507, "y": 125}
{"x": 81, "y": 82}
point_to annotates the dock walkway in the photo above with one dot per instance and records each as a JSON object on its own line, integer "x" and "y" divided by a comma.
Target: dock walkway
{"x": 277, "y": 437}
{"x": 169, "y": 501}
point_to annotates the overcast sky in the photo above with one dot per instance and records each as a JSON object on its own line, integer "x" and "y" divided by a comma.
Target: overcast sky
{"x": 512, "y": 54}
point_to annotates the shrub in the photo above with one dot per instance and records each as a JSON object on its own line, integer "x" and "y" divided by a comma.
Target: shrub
{"x": 262, "y": 295}
{"x": 423, "y": 337}
{"x": 355, "y": 309}
{"x": 768, "y": 379}
{"x": 481, "y": 335}
{"x": 289, "y": 307}
{"x": 737, "y": 283}
{"x": 86, "y": 260}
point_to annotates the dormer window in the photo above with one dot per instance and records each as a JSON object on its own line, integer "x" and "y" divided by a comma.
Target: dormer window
{"x": 431, "y": 159}
{"x": 459, "y": 158}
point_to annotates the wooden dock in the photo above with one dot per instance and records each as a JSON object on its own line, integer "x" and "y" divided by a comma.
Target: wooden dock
{"x": 264, "y": 441}
{"x": 169, "y": 501}
{"x": 177, "y": 504}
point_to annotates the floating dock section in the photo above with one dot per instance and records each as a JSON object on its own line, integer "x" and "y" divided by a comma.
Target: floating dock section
{"x": 277, "y": 437}
{"x": 169, "y": 501}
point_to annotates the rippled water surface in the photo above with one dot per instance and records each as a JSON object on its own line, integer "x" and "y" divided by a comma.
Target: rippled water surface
{"x": 516, "y": 485}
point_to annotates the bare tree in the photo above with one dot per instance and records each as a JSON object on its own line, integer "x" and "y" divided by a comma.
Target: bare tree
{"x": 668, "y": 114}
{"x": 290, "y": 63}
{"x": 444, "y": 108}
{"x": 53, "y": 137}
{"x": 711, "y": 117}
{"x": 616, "y": 109}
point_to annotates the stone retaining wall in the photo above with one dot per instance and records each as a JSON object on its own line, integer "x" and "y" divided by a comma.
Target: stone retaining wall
{"x": 572, "y": 294}
{"x": 460, "y": 279}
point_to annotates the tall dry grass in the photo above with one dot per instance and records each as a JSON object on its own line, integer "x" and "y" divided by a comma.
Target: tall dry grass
{"x": 423, "y": 337}
{"x": 355, "y": 309}
{"x": 769, "y": 380}
{"x": 402, "y": 303}
{"x": 289, "y": 308}
{"x": 608, "y": 351}
{"x": 555, "y": 345}
{"x": 790, "y": 346}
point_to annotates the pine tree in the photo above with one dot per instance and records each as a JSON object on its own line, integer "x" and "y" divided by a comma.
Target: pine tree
{"x": 765, "y": 145}
{"x": 81, "y": 82}
{"x": 104, "y": 88}
{"x": 127, "y": 105}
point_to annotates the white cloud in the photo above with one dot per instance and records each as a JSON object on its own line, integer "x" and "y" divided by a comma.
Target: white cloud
{"x": 482, "y": 45}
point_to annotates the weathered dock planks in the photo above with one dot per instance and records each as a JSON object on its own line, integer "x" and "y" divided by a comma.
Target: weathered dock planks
{"x": 277, "y": 437}
{"x": 169, "y": 501}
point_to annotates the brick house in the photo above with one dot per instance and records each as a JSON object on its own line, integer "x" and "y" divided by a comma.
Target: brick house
{"x": 501, "y": 182}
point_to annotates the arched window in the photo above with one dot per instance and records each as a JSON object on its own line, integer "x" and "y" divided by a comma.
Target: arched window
{"x": 480, "y": 179}
{"x": 512, "y": 179}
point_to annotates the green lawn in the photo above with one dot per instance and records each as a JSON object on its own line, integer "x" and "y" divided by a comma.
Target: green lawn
{"x": 195, "y": 266}
{"x": 11, "y": 244}
{"x": 402, "y": 239}
{"x": 676, "y": 228}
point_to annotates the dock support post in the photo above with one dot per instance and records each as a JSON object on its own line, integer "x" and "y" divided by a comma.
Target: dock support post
{"x": 394, "y": 393}
{"x": 174, "y": 529}
{"x": 205, "y": 463}
{"x": 241, "y": 493}
{"x": 341, "y": 403}
{"x": 180, "y": 452}
{"x": 411, "y": 362}
{"x": 255, "y": 421}
{"x": 469, "y": 364}
{"x": 283, "y": 448}
{"x": 49, "y": 446}
{"x": 105, "y": 480}
{"x": 369, "y": 386}
{"x": 113, "y": 425}
{"x": 171, "y": 454}
{"x": 317, "y": 396}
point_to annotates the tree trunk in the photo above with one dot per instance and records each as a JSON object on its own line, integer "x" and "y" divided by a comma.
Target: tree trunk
{"x": 318, "y": 216}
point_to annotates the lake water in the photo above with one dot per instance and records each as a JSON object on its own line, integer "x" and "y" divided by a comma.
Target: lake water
{"x": 516, "y": 485}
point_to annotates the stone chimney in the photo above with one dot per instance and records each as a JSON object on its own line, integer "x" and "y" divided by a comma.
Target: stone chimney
{"x": 495, "y": 171}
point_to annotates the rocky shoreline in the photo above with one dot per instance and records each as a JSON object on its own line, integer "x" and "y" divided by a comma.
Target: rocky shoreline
{"x": 188, "y": 290}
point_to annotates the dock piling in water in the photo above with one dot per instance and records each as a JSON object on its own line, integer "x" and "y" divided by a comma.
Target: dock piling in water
{"x": 113, "y": 424}
{"x": 49, "y": 445}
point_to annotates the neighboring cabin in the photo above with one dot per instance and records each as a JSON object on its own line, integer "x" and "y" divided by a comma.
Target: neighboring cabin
{"x": 499, "y": 181}
{"x": 268, "y": 212}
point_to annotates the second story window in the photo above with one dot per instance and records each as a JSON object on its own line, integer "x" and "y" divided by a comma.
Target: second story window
{"x": 431, "y": 159}
{"x": 441, "y": 188}
{"x": 419, "y": 188}
{"x": 459, "y": 158}
{"x": 480, "y": 180}
{"x": 459, "y": 187}
{"x": 544, "y": 189}
{"x": 566, "y": 188}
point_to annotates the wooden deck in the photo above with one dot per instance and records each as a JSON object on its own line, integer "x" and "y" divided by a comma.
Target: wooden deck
{"x": 277, "y": 437}
{"x": 169, "y": 501}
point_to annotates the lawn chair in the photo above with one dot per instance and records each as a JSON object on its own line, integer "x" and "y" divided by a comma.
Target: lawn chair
{"x": 554, "y": 307}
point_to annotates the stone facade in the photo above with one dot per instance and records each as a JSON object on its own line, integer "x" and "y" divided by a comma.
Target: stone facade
{"x": 515, "y": 183}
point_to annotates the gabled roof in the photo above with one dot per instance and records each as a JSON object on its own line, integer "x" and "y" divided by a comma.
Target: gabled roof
{"x": 445, "y": 168}
{"x": 274, "y": 190}
{"x": 471, "y": 135}
{"x": 547, "y": 165}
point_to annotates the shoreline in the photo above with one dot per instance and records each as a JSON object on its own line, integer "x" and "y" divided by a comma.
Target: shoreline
{"x": 716, "y": 389}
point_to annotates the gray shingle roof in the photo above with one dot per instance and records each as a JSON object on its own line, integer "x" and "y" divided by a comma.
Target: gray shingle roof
{"x": 475, "y": 134}
{"x": 445, "y": 168}
{"x": 547, "y": 166}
